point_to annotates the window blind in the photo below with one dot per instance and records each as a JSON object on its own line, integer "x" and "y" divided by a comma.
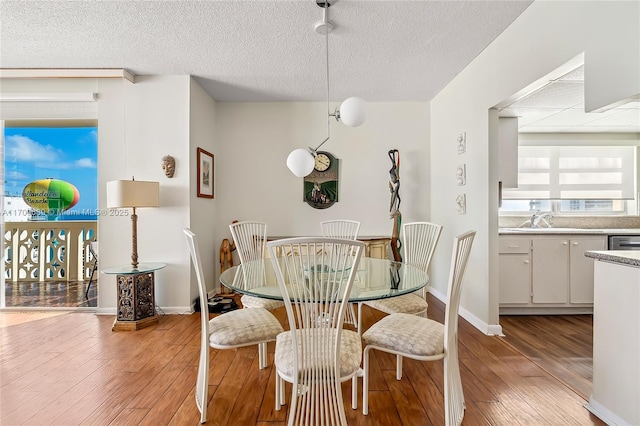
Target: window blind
{"x": 574, "y": 172}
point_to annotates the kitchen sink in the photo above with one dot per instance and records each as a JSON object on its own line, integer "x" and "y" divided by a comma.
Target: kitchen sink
{"x": 544, "y": 230}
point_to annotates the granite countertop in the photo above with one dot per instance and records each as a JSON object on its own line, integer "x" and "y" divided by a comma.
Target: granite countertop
{"x": 568, "y": 231}
{"x": 624, "y": 257}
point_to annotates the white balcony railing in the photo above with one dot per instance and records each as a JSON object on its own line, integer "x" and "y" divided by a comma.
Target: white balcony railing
{"x": 48, "y": 251}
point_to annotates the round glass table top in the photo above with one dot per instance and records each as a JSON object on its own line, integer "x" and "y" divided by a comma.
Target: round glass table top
{"x": 374, "y": 279}
{"x": 129, "y": 270}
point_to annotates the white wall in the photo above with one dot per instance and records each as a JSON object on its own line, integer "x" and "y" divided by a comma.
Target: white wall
{"x": 202, "y": 210}
{"x": 157, "y": 124}
{"x": 253, "y": 182}
{"x": 544, "y": 37}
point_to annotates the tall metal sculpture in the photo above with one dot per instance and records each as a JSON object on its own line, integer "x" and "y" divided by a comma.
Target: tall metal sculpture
{"x": 394, "y": 206}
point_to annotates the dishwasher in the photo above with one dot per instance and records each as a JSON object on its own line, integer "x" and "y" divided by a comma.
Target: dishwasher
{"x": 624, "y": 242}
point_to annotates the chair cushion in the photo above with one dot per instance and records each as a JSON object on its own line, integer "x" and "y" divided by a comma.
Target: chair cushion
{"x": 407, "y": 333}
{"x": 350, "y": 351}
{"x": 411, "y": 303}
{"x": 243, "y": 327}
{"x": 257, "y": 302}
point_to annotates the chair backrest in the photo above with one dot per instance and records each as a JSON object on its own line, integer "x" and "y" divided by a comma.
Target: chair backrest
{"x": 340, "y": 229}
{"x": 250, "y": 239}
{"x": 203, "y": 379}
{"x": 419, "y": 240}
{"x": 93, "y": 249}
{"x": 315, "y": 284}
{"x": 459, "y": 258}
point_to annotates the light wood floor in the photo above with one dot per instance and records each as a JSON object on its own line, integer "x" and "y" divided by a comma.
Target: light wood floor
{"x": 71, "y": 369}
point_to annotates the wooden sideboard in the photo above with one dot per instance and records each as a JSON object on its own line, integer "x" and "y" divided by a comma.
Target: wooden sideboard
{"x": 376, "y": 246}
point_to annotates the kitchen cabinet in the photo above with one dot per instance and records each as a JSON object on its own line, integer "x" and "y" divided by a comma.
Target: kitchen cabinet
{"x": 547, "y": 273}
{"x": 514, "y": 262}
{"x": 550, "y": 272}
{"x": 508, "y": 151}
{"x": 581, "y": 268}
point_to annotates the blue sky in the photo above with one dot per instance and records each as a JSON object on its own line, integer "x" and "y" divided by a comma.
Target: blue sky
{"x": 69, "y": 154}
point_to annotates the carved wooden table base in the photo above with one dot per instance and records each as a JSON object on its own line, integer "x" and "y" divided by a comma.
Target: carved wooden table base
{"x": 136, "y": 302}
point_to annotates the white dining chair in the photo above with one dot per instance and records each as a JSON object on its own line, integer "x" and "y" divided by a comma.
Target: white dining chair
{"x": 419, "y": 241}
{"x": 235, "y": 329}
{"x": 93, "y": 250}
{"x": 250, "y": 238}
{"x": 316, "y": 354}
{"x": 343, "y": 228}
{"x": 423, "y": 339}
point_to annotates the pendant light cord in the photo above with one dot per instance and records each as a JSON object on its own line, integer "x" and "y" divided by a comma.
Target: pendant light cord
{"x": 326, "y": 37}
{"x": 325, "y": 20}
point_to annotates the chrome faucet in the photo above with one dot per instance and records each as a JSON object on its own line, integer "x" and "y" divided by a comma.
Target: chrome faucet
{"x": 536, "y": 217}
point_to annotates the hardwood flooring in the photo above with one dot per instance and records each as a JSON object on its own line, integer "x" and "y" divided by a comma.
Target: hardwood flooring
{"x": 560, "y": 344}
{"x": 61, "y": 368}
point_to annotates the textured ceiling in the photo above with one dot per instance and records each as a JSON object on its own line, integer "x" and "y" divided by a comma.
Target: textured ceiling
{"x": 558, "y": 107}
{"x": 261, "y": 50}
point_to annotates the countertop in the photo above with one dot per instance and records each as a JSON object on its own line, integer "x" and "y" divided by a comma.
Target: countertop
{"x": 568, "y": 231}
{"x": 624, "y": 257}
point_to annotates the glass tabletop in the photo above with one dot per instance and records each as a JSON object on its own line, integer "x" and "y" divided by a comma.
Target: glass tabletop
{"x": 375, "y": 279}
{"x": 129, "y": 270}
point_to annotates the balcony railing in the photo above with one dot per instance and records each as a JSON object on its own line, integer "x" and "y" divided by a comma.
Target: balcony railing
{"x": 48, "y": 251}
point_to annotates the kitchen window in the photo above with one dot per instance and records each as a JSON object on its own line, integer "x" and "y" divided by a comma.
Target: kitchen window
{"x": 574, "y": 180}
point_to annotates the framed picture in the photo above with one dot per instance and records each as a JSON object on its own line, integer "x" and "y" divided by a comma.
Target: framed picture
{"x": 205, "y": 174}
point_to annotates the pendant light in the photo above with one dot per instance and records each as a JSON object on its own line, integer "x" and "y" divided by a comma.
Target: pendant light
{"x": 352, "y": 112}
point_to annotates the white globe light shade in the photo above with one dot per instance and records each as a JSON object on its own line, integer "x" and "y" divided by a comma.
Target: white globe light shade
{"x": 300, "y": 162}
{"x": 353, "y": 112}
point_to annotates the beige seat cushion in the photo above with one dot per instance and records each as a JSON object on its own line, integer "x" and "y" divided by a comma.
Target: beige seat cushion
{"x": 243, "y": 326}
{"x": 407, "y": 333}
{"x": 350, "y": 351}
{"x": 411, "y": 303}
{"x": 258, "y": 302}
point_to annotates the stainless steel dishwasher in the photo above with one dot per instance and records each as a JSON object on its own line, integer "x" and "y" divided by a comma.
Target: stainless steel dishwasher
{"x": 624, "y": 242}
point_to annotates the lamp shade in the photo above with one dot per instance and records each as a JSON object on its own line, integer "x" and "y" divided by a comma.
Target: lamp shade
{"x": 353, "y": 111}
{"x": 300, "y": 162}
{"x": 132, "y": 193}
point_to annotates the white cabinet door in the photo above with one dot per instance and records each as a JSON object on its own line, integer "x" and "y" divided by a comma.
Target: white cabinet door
{"x": 514, "y": 277}
{"x": 508, "y": 151}
{"x": 550, "y": 270}
{"x": 581, "y": 268}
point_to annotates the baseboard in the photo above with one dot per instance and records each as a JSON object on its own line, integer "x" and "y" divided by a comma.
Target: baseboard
{"x": 603, "y": 413}
{"x": 165, "y": 310}
{"x": 488, "y": 329}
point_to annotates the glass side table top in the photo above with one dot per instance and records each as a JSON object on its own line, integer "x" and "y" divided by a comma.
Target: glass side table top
{"x": 375, "y": 279}
{"x": 129, "y": 270}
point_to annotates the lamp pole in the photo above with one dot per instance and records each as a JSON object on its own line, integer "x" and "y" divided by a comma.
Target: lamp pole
{"x": 134, "y": 239}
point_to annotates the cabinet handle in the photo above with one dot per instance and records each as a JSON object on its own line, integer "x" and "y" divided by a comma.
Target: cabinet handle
{"x": 565, "y": 243}
{"x": 516, "y": 246}
{"x": 575, "y": 243}
{"x": 526, "y": 262}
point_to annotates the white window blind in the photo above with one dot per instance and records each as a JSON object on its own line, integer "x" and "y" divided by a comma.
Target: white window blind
{"x": 574, "y": 172}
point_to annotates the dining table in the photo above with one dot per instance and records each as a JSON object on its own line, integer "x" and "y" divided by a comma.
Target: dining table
{"x": 374, "y": 279}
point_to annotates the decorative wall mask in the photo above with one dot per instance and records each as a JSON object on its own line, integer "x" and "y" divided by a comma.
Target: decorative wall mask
{"x": 168, "y": 165}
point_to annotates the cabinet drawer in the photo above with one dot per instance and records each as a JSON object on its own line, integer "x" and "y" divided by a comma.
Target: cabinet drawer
{"x": 514, "y": 245}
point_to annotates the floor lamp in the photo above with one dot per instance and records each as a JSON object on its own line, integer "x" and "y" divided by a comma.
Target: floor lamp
{"x": 132, "y": 194}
